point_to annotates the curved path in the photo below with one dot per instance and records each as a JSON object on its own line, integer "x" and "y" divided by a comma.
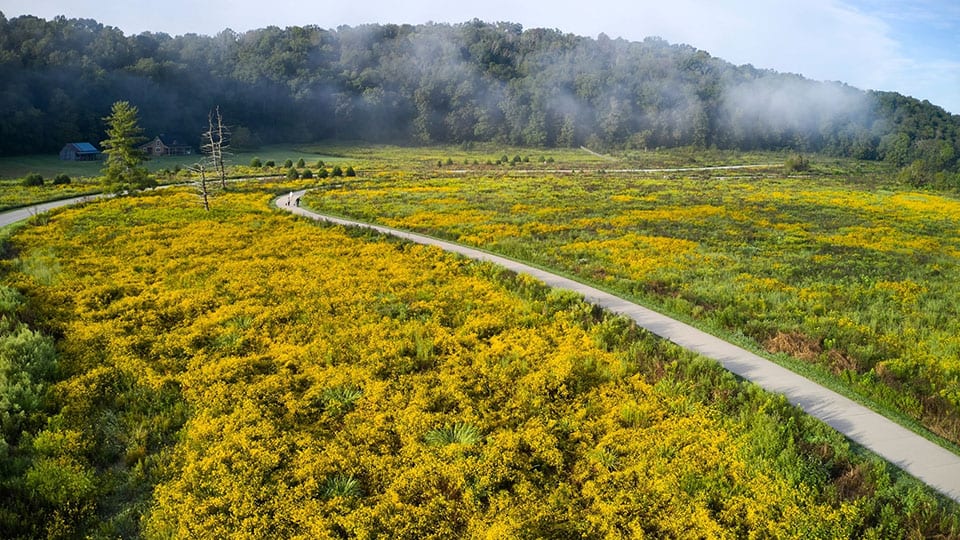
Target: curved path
{"x": 12, "y": 216}
{"x": 934, "y": 465}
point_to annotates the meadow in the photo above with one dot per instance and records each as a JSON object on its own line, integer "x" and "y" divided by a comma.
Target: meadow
{"x": 842, "y": 275}
{"x": 243, "y": 372}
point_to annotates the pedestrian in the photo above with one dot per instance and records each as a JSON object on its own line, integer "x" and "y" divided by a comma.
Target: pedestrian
{"x": 298, "y": 201}
{"x": 289, "y": 198}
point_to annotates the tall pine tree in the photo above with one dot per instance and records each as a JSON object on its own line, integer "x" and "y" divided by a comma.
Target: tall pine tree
{"x": 122, "y": 170}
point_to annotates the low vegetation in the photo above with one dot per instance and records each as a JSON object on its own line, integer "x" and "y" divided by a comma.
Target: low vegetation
{"x": 241, "y": 371}
{"x": 847, "y": 276}
{"x": 16, "y": 194}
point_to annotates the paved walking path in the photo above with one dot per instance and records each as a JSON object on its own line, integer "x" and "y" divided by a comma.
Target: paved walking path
{"x": 925, "y": 460}
{"x": 20, "y": 214}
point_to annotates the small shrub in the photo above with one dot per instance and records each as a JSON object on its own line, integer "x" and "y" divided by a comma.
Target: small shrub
{"x": 605, "y": 458}
{"x": 449, "y": 161}
{"x": 300, "y": 163}
{"x": 796, "y": 163}
{"x": 458, "y": 433}
{"x": 517, "y": 159}
{"x": 320, "y": 164}
{"x": 550, "y": 160}
{"x": 255, "y": 162}
{"x": 288, "y": 163}
{"x": 33, "y": 179}
{"x": 292, "y": 174}
{"x": 341, "y": 399}
{"x": 270, "y": 163}
{"x": 341, "y": 485}
{"x": 337, "y": 171}
{"x": 350, "y": 172}
{"x": 61, "y": 179}
{"x": 322, "y": 173}
{"x": 307, "y": 174}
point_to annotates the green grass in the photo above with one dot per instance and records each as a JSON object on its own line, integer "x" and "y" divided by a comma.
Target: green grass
{"x": 15, "y": 167}
{"x": 424, "y": 159}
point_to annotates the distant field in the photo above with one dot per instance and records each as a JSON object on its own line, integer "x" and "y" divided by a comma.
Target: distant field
{"x": 426, "y": 159}
{"x": 50, "y": 165}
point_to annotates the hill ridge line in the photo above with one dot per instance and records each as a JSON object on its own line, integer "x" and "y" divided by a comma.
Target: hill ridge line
{"x": 934, "y": 465}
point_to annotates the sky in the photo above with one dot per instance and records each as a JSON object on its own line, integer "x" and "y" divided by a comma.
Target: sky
{"x": 906, "y": 46}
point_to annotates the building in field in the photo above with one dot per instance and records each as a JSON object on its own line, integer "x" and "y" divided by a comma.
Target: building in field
{"x": 163, "y": 145}
{"x": 80, "y": 151}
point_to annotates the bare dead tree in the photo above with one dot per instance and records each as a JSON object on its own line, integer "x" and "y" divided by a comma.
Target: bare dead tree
{"x": 217, "y": 144}
{"x": 201, "y": 168}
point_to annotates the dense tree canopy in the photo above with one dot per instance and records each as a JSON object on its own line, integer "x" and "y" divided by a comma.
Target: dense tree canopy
{"x": 439, "y": 83}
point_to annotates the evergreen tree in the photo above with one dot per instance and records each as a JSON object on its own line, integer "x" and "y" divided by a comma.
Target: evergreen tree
{"x": 122, "y": 169}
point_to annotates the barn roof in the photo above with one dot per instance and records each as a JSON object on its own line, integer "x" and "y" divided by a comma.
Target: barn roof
{"x": 85, "y": 147}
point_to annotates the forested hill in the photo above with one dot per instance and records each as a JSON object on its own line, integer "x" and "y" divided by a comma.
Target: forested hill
{"x": 439, "y": 83}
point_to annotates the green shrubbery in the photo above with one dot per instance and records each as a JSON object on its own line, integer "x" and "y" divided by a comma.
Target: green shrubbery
{"x": 33, "y": 179}
{"x": 796, "y": 163}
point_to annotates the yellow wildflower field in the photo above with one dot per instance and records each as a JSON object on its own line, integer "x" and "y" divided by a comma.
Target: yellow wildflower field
{"x": 860, "y": 283}
{"x": 245, "y": 373}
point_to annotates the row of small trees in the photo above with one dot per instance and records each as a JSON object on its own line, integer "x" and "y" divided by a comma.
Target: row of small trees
{"x": 292, "y": 168}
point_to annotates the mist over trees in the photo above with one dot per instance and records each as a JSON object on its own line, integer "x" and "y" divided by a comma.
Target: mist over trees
{"x": 440, "y": 83}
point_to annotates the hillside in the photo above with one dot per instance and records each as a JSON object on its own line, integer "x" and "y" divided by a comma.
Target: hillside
{"x": 439, "y": 83}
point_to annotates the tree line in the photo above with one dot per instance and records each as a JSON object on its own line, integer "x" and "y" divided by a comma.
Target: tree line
{"x": 441, "y": 83}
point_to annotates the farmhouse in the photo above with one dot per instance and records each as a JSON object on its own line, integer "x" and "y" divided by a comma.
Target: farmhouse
{"x": 79, "y": 151}
{"x": 162, "y": 145}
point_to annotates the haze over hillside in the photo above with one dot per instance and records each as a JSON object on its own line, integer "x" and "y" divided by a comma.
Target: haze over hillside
{"x": 440, "y": 83}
